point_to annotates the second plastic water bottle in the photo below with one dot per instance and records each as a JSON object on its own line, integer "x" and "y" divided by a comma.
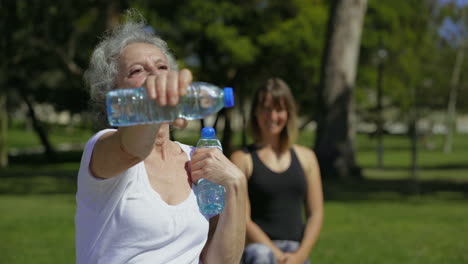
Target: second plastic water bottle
{"x": 127, "y": 107}
{"x": 210, "y": 196}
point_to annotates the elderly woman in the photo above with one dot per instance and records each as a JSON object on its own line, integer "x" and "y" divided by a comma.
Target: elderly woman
{"x": 135, "y": 198}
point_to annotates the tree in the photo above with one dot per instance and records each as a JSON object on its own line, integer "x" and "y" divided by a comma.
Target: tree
{"x": 454, "y": 33}
{"x": 4, "y": 47}
{"x": 204, "y": 37}
{"x": 334, "y": 143}
{"x": 240, "y": 45}
{"x": 45, "y": 49}
{"x": 236, "y": 45}
{"x": 3, "y": 132}
{"x": 422, "y": 57}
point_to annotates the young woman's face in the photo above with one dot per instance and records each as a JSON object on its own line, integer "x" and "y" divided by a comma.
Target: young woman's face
{"x": 137, "y": 62}
{"x": 272, "y": 118}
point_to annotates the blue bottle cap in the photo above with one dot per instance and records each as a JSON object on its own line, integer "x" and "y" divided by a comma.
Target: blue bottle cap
{"x": 228, "y": 97}
{"x": 208, "y": 132}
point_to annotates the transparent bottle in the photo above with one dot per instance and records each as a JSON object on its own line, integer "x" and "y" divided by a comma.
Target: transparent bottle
{"x": 210, "y": 196}
{"x": 127, "y": 107}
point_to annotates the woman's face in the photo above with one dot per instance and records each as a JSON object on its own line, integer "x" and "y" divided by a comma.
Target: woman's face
{"x": 272, "y": 118}
{"x": 137, "y": 62}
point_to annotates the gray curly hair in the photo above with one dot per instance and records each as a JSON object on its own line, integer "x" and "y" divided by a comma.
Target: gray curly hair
{"x": 103, "y": 67}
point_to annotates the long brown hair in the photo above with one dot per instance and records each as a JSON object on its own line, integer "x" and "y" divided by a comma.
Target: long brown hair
{"x": 280, "y": 93}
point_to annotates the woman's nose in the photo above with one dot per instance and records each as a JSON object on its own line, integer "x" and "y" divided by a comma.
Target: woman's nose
{"x": 273, "y": 114}
{"x": 153, "y": 70}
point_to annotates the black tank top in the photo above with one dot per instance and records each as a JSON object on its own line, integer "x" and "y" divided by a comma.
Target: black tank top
{"x": 277, "y": 199}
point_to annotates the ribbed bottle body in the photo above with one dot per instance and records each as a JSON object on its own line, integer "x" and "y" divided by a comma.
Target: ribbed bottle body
{"x": 127, "y": 107}
{"x": 210, "y": 196}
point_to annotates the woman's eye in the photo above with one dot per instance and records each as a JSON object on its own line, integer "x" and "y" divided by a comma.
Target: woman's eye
{"x": 135, "y": 71}
{"x": 162, "y": 67}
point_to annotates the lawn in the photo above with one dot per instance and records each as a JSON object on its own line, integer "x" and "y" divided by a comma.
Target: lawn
{"x": 394, "y": 231}
{"x": 22, "y": 137}
{"x": 37, "y": 228}
{"x": 377, "y": 220}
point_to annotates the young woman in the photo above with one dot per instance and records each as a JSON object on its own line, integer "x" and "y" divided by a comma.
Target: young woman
{"x": 283, "y": 179}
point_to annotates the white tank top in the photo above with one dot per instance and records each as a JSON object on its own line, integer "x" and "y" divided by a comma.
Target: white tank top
{"x": 124, "y": 220}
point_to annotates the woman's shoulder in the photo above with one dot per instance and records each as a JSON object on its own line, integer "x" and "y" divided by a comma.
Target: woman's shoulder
{"x": 246, "y": 150}
{"x": 188, "y": 149}
{"x": 102, "y": 133}
{"x": 305, "y": 155}
{"x": 98, "y": 136}
{"x": 241, "y": 154}
{"x": 242, "y": 159}
{"x": 303, "y": 150}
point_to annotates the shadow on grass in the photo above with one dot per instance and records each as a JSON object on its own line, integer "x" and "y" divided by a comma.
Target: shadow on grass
{"x": 394, "y": 189}
{"x": 34, "y": 174}
{"x": 41, "y": 182}
{"x": 449, "y": 166}
{"x": 40, "y": 158}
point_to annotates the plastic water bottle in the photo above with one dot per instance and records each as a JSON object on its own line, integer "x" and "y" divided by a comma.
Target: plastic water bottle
{"x": 127, "y": 107}
{"x": 210, "y": 196}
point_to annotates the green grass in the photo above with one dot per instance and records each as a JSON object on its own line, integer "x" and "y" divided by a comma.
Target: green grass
{"x": 378, "y": 231}
{"x": 22, "y": 137}
{"x": 37, "y": 228}
{"x": 377, "y": 220}
{"x": 422, "y": 231}
{"x": 34, "y": 178}
{"x": 433, "y": 163}
{"x": 397, "y": 152}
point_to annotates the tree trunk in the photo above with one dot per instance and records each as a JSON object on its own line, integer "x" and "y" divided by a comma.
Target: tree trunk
{"x": 3, "y": 132}
{"x": 334, "y": 143}
{"x": 202, "y": 52}
{"x": 42, "y": 134}
{"x": 452, "y": 108}
{"x": 380, "y": 130}
{"x": 414, "y": 138}
{"x": 244, "y": 122}
{"x": 227, "y": 133}
{"x": 8, "y": 14}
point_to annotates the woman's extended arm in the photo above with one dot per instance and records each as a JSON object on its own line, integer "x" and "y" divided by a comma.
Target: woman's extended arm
{"x": 119, "y": 150}
{"x": 115, "y": 152}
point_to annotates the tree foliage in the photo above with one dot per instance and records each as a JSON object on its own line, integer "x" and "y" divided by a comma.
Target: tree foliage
{"x": 417, "y": 57}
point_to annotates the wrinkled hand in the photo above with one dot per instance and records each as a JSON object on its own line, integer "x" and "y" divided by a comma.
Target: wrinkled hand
{"x": 167, "y": 87}
{"x": 211, "y": 164}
